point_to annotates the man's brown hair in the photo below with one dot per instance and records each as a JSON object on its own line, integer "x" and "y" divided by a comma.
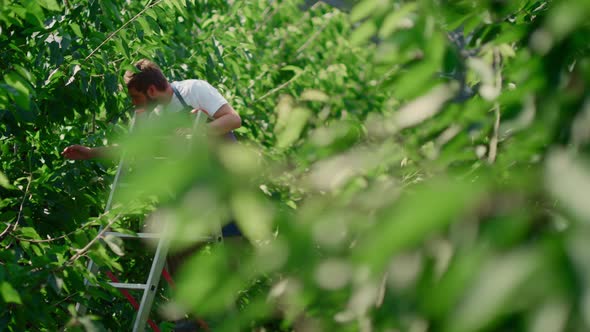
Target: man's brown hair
{"x": 148, "y": 73}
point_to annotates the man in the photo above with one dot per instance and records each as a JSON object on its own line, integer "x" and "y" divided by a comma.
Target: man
{"x": 149, "y": 89}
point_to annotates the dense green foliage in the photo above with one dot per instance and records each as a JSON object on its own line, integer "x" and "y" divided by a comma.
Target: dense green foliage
{"x": 409, "y": 165}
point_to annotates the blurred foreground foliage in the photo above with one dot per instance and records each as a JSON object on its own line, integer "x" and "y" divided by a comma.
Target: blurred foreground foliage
{"x": 405, "y": 166}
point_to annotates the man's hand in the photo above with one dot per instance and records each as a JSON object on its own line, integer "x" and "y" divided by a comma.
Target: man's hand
{"x": 78, "y": 152}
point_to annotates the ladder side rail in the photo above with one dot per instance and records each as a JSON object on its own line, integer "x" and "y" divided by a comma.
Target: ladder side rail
{"x": 151, "y": 286}
{"x": 92, "y": 267}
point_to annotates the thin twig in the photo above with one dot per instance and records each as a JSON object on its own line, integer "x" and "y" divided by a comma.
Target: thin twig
{"x": 313, "y": 37}
{"x": 267, "y": 17}
{"x": 65, "y": 299}
{"x": 494, "y": 139}
{"x": 260, "y": 76}
{"x": 280, "y": 87}
{"x": 91, "y": 223}
{"x": 112, "y": 34}
{"x": 93, "y": 122}
{"x": 20, "y": 210}
{"x": 498, "y": 85}
{"x": 382, "y": 289}
{"x": 5, "y": 231}
{"x": 87, "y": 247}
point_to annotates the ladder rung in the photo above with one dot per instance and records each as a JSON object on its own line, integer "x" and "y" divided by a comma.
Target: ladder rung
{"x": 126, "y": 285}
{"x": 155, "y": 236}
{"x": 134, "y": 236}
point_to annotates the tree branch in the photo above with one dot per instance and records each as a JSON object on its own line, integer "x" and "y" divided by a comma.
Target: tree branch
{"x": 313, "y": 37}
{"x": 99, "y": 236}
{"x": 498, "y": 84}
{"x": 91, "y": 223}
{"x": 280, "y": 87}
{"x": 20, "y": 211}
{"x": 266, "y": 16}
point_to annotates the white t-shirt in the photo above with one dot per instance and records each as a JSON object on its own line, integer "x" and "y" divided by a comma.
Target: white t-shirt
{"x": 196, "y": 93}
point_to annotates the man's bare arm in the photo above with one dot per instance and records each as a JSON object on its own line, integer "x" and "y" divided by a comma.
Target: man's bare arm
{"x": 80, "y": 152}
{"x": 225, "y": 120}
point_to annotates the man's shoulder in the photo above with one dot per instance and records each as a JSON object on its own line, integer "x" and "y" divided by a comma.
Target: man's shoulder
{"x": 188, "y": 84}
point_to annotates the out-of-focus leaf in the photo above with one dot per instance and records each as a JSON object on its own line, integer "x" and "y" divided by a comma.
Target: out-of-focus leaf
{"x": 296, "y": 121}
{"x": 363, "y": 9}
{"x": 416, "y": 217}
{"x": 363, "y": 33}
{"x": 253, "y": 215}
{"x": 392, "y": 21}
{"x": 115, "y": 243}
{"x": 50, "y": 4}
{"x": 314, "y": 95}
{"x": 496, "y": 287}
{"x": 566, "y": 16}
{"x": 424, "y": 107}
{"x": 22, "y": 89}
{"x": 9, "y": 294}
{"x": 56, "y": 283}
{"x": 568, "y": 180}
{"x": 4, "y": 181}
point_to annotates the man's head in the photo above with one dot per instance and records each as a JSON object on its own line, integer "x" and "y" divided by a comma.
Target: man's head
{"x": 147, "y": 84}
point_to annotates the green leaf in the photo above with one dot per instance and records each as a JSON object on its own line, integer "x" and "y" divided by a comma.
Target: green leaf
{"x": 30, "y": 233}
{"x": 22, "y": 89}
{"x": 34, "y": 14}
{"x": 179, "y": 4}
{"x": 4, "y": 181}
{"x": 410, "y": 221}
{"x": 9, "y": 294}
{"x": 566, "y": 16}
{"x": 25, "y": 74}
{"x": 363, "y": 33}
{"x": 417, "y": 80}
{"x": 363, "y": 9}
{"x": 392, "y": 21}
{"x": 314, "y": 95}
{"x": 252, "y": 214}
{"x": 76, "y": 28}
{"x": 495, "y": 290}
{"x": 567, "y": 177}
{"x": 297, "y": 119}
{"x": 50, "y": 4}
{"x": 144, "y": 25}
{"x": 75, "y": 70}
{"x": 115, "y": 243}
{"x": 295, "y": 69}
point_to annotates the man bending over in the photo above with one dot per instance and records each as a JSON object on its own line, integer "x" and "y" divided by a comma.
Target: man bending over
{"x": 150, "y": 91}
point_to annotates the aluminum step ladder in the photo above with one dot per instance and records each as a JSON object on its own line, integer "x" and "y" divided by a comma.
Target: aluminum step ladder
{"x": 150, "y": 287}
